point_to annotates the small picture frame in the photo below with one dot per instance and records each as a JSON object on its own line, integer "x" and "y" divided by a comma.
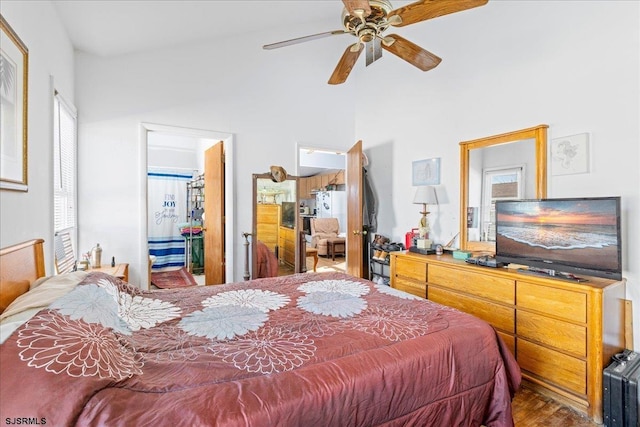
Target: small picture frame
{"x": 570, "y": 155}
{"x": 426, "y": 172}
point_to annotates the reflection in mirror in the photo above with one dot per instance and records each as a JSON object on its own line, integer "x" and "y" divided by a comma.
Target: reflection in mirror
{"x": 505, "y": 171}
{"x": 500, "y": 167}
{"x": 275, "y": 225}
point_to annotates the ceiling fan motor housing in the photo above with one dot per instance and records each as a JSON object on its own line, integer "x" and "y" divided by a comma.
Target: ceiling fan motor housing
{"x": 367, "y": 28}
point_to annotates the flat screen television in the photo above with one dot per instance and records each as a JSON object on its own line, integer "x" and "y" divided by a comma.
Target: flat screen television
{"x": 288, "y": 212}
{"x": 578, "y": 236}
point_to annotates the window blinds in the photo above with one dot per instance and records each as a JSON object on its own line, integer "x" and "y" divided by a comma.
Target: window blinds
{"x": 64, "y": 168}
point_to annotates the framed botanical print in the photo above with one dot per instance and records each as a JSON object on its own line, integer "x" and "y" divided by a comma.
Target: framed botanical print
{"x": 14, "y": 79}
{"x": 570, "y": 154}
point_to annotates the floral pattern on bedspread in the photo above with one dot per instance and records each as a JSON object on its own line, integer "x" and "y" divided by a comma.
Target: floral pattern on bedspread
{"x": 267, "y": 350}
{"x": 74, "y": 347}
{"x": 228, "y": 355}
{"x": 104, "y": 303}
{"x": 109, "y": 329}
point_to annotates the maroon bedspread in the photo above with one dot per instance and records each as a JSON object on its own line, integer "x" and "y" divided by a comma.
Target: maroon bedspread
{"x": 321, "y": 349}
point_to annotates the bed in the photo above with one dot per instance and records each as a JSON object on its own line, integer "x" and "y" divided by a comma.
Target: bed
{"x": 313, "y": 349}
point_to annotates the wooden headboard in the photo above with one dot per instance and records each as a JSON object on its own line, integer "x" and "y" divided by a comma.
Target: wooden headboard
{"x": 20, "y": 265}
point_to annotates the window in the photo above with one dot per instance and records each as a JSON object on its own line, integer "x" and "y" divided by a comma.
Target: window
{"x": 64, "y": 168}
{"x": 499, "y": 184}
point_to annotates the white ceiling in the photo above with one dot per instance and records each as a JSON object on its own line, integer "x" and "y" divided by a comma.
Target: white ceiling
{"x": 119, "y": 27}
{"x": 108, "y": 27}
{"x": 111, "y": 28}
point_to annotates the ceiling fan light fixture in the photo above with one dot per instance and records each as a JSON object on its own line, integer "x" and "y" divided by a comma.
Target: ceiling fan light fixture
{"x": 394, "y": 20}
{"x": 367, "y": 36}
{"x": 359, "y": 13}
{"x": 388, "y": 41}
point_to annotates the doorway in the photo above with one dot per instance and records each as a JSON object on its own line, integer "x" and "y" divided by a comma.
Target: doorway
{"x": 185, "y": 148}
{"x": 324, "y": 194}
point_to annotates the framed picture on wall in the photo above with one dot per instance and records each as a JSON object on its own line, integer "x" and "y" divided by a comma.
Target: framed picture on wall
{"x": 426, "y": 172}
{"x": 570, "y": 154}
{"x": 14, "y": 63}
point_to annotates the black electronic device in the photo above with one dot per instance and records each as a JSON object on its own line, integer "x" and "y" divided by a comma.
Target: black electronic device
{"x": 490, "y": 262}
{"x": 288, "y": 212}
{"x": 568, "y": 236}
{"x": 418, "y": 250}
{"x": 485, "y": 261}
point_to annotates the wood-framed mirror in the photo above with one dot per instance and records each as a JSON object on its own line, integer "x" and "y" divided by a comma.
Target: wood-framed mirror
{"x": 511, "y": 165}
{"x": 275, "y": 224}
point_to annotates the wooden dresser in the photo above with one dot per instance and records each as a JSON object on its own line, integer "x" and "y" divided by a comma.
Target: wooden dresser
{"x": 268, "y": 224}
{"x": 287, "y": 249}
{"x": 562, "y": 333}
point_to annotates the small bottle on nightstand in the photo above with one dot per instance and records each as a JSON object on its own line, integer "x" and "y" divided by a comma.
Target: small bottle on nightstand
{"x": 113, "y": 261}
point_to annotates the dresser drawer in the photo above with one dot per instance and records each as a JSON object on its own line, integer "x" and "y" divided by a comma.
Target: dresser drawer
{"x": 497, "y": 315}
{"x": 491, "y": 287}
{"x": 562, "y": 303}
{"x": 411, "y": 268}
{"x": 268, "y": 214}
{"x": 417, "y": 289}
{"x": 267, "y": 231}
{"x": 565, "y": 371}
{"x": 564, "y": 336}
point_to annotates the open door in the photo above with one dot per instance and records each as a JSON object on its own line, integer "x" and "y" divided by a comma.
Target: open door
{"x": 214, "y": 237}
{"x": 355, "y": 232}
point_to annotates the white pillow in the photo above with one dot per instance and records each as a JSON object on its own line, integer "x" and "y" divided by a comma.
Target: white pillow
{"x": 44, "y": 294}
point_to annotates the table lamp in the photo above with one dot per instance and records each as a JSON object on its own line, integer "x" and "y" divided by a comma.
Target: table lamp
{"x": 425, "y": 195}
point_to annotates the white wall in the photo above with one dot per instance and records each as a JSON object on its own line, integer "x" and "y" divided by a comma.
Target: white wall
{"x": 571, "y": 65}
{"x": 267, "y": 99}
{"x": 506, "y": 66}
{"x": 25, "y": 216}
{"x": 173, "y": 151}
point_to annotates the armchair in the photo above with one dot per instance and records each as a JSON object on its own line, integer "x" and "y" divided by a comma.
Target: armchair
{"x": 322, "y": 230}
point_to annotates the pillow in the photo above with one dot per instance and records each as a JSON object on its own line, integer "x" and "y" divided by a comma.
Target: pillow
{"x": 44, "y": 294}
{"x": 38, "y": 282}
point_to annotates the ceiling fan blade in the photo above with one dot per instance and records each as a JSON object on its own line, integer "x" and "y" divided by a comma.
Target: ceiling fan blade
{"x": 357, "y": 7}
{"x": 303, "y": 39}
{"x": 427, "y": 9}
{"x": 410, "y": 52}
{"x": 346, "y": 63}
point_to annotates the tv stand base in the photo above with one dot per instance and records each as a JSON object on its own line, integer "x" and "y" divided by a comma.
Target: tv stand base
{"x": 553, "y": 274}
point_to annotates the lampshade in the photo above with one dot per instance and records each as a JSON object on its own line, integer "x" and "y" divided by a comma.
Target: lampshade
{"x": 426, "y": 195}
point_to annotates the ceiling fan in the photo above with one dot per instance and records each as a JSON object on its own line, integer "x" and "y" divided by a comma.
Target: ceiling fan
{"x": 367, "y": 20}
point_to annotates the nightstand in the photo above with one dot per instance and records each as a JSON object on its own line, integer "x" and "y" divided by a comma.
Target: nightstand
{"x": 121, "y": 271}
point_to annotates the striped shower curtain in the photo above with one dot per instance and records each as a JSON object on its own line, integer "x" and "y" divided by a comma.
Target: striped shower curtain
{"x": 167, "y": 208}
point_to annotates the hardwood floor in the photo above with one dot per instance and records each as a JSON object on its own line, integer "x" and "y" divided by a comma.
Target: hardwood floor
{"x": 531, "y": 409}
{"x": 327, "y": 264}
{"x": 324, "y": 264}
